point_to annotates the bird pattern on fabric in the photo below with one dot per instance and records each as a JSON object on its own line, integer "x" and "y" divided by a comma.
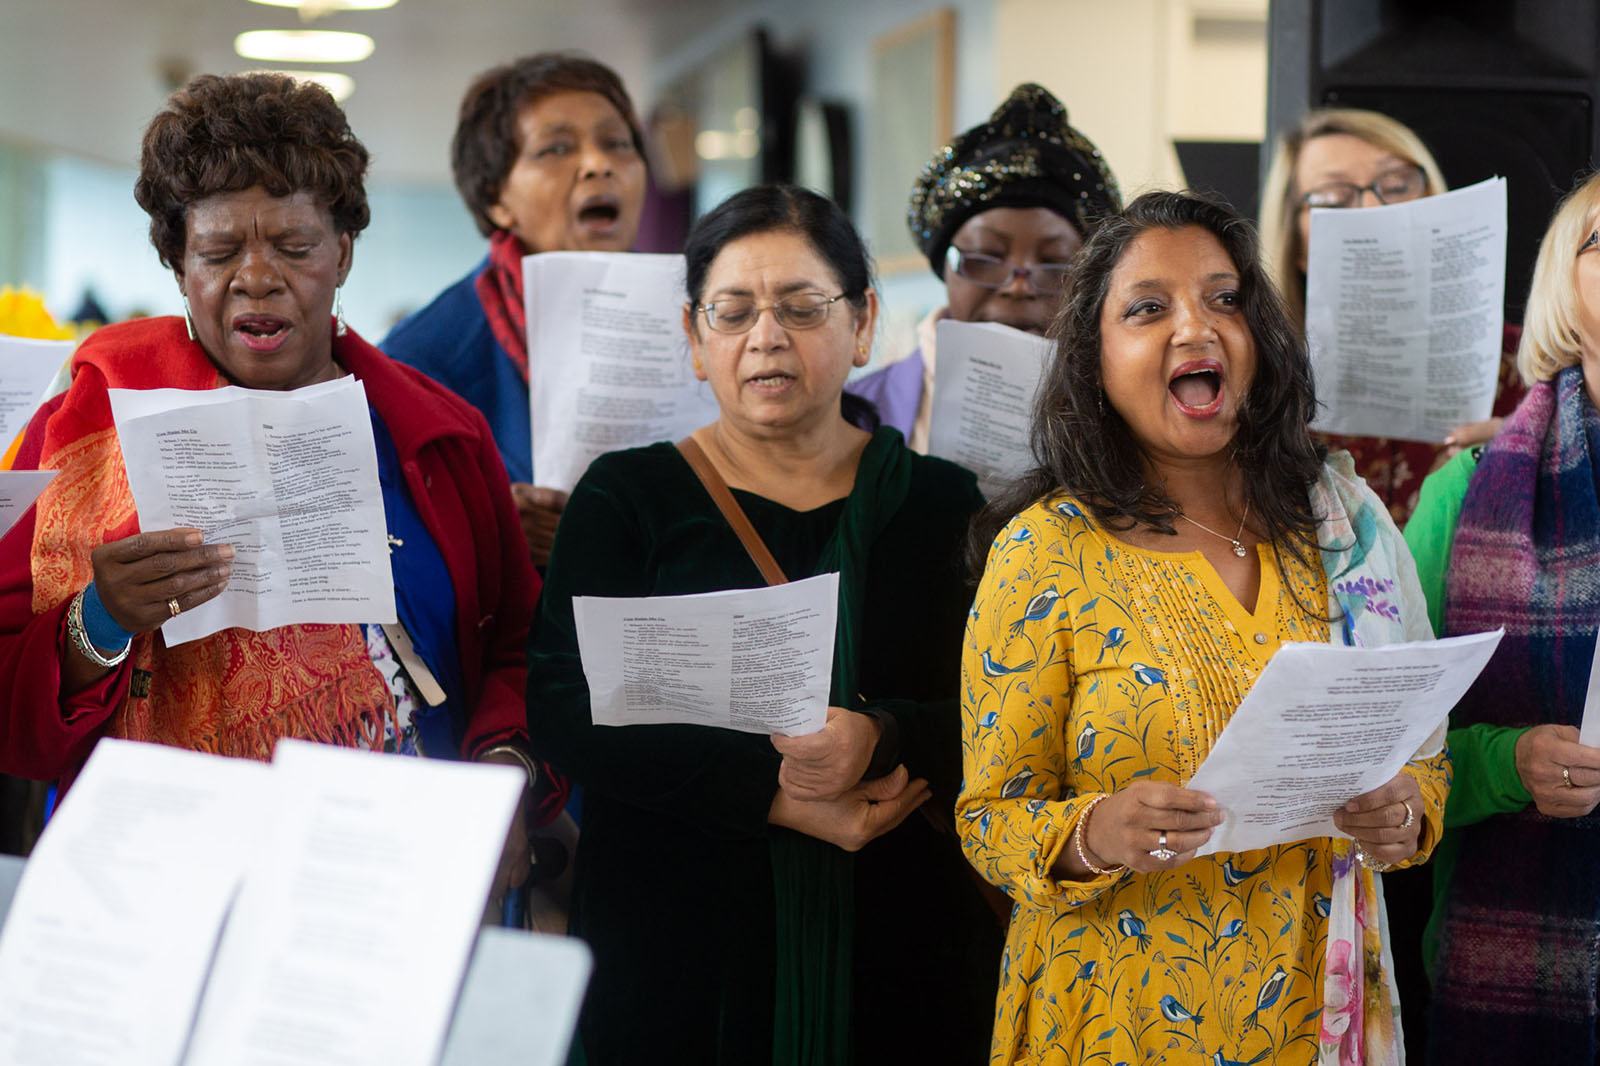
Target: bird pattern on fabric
{"x": 1125, "y": 664}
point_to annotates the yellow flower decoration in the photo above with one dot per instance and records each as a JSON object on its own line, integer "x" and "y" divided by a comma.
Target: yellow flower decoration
{"x": 23, "y": 314}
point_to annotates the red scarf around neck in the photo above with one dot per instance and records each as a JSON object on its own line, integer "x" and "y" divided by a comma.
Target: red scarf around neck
{"x": 500, "y": 291}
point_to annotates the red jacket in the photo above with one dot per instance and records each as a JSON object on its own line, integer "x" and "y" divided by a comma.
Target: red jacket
{"x": 459, "y": 486}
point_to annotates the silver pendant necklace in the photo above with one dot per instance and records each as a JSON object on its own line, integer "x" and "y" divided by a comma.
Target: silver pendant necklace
{"x": 1238, "y": 548}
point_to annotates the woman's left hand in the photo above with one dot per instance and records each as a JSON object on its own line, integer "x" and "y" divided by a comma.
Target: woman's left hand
{"x": 1386, "y": 822}
{"x": 824, "y": 765}
{"x": 516, "y": 858}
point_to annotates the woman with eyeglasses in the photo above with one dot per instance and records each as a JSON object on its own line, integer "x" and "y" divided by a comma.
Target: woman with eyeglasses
{"x": 793, "y": 900}
{"x": 1344, "y": 157}
{"x": 1509, "y": 535}
{"x": 999, "y": 213}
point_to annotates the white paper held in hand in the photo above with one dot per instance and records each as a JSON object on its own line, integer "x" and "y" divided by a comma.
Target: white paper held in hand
{"x": 18, "y": 491}
{"x": 608, "y": 364}
{"x": 360, "y": 905}
{"x": 1324, "y": 724}
{"x": 1404, "y": 311}
{"x": 1589, "y": 730}
{"x": 106, "y": 945}
{"x": 27, "y": 368}
{"x": 756, "y": 660}
{"x": 289, "y": 479}
{"x": 984, "y": 384}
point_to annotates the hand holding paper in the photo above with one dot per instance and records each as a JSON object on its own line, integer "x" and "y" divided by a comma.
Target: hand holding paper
{"x": 757, "y": 660}
{"x": 1323, "y": 724}
{"x": 288, "y": 479}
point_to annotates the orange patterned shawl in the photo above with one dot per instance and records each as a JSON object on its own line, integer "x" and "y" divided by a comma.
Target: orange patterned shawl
{"x": 235, "y": 692}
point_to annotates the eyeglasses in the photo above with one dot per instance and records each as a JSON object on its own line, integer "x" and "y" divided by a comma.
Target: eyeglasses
{"x": 1394, "y": 186}
{"x": 991, "y": 273}
{"x": 736, "y": 314}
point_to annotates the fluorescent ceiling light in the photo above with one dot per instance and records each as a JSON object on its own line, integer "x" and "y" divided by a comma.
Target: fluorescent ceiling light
{"x": 322, "y": 7}
{"x": 303, "y": 46}
{"x": 340, "y": 85}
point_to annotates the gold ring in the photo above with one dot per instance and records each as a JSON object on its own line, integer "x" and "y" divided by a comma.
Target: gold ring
{"x": 1566, "y": 777}
{"x": 1411, "y": 816}
{"x": 172, "y": 605}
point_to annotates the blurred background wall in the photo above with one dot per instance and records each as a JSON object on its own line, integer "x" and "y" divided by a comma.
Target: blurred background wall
{"x": 824, "y": 91}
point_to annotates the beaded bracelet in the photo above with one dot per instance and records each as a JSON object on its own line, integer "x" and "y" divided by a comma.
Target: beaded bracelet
{"x": 80, "y": 637}
{"x": 1083, "y": 854}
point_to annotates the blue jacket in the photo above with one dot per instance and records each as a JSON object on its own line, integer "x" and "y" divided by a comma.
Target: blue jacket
{"x": 451, "y": 342}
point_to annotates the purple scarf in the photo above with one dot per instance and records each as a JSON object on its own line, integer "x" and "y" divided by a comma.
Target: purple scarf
{"x": 1518, "y": 959}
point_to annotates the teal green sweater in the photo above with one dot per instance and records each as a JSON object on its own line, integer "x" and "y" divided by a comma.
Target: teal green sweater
{"x": 1483, "y": 756}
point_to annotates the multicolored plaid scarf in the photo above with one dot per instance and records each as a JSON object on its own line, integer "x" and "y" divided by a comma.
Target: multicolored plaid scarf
{"x": 235, "y": 692}
{"x": 1521, "y": 942}
{"x": 500, "y": 291}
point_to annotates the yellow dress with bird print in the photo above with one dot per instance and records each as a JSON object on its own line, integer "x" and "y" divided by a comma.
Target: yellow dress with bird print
{"x": 1090, "y": 664}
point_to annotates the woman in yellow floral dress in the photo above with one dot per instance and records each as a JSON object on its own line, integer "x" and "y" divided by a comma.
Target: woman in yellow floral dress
{"x": 1181, "y": 525}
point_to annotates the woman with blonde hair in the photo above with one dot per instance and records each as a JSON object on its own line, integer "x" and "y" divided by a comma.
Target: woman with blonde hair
{"x": 1509, "y": 535}
{"x": 1346, "y": 157}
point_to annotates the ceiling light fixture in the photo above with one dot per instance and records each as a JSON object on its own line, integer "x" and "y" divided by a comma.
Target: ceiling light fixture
{"x": 323, "y": 7}
{"x": 303, "y": 46}
{"x": 339, "y": 85}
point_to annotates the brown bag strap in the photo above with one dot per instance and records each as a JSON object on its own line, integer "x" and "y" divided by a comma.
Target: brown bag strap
{"x": 703, "y": 468}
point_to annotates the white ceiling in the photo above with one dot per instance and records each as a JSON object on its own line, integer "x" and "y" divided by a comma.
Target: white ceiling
{"x": 86, "y": 75}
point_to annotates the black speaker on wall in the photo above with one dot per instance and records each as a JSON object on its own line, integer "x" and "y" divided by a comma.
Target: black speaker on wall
{"x": 1505, "y": 87}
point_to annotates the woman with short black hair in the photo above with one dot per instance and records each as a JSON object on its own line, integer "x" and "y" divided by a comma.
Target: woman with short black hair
{"x": 255, "y": 187}
{"x": 548, "y": 157}
{"x": 799, "y": 905}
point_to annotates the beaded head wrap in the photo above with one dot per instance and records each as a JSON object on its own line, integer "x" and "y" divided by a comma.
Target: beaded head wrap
{"x": 1026, "y": 155}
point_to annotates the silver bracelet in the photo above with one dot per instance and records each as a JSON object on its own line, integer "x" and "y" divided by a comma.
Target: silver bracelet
{"x": 80, "y": 637}
{"x": 521, "y": 757}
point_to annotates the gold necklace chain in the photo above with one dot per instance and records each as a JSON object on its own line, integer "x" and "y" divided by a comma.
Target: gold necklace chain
{"x": 1238, "y": 548}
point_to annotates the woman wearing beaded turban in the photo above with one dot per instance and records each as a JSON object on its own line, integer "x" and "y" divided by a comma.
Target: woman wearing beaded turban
{"x": 999, "y": 213}
{"x": 255, "y": 189}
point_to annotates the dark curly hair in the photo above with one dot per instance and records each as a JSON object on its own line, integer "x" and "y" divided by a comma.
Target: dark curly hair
{"x": 1083, "y": 447}
{"x": 226, "y": 133}
{"x": 487, "y": 140}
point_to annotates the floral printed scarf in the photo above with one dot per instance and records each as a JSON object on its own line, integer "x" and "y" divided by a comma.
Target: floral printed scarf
{"x": 1374, "y": 598}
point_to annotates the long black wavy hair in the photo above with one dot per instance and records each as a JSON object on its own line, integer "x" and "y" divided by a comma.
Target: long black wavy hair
{"x": 1082, "y": 446}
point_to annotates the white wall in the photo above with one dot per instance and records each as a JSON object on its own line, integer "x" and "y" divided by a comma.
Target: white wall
{"x": 836, "y": 37}
{"x": 1137, "y": 74}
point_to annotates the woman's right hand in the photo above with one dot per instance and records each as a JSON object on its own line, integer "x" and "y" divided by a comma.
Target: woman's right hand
{"x": 857, "y": 817}
{"x": 1542, "y": 753}
{"x": 137, "y": 576}
{"x": 1128, "y": 824}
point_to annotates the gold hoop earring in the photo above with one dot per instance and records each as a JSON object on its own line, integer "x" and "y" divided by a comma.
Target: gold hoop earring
{"x": 188, "y": 319}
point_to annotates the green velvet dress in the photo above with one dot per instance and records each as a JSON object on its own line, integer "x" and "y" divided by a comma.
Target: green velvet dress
{"x": 674, "y": 881}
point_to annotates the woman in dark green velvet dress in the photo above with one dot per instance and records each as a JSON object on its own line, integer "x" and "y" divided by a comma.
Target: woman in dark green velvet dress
{"x": 793, "y": 900}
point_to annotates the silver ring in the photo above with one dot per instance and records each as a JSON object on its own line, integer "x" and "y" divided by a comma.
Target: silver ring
{"x": 172, "y": 605}
{"x": 1162, "y": 853}
{"x": 1411, "y": 816}
{"x": 1566, "y": 777}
